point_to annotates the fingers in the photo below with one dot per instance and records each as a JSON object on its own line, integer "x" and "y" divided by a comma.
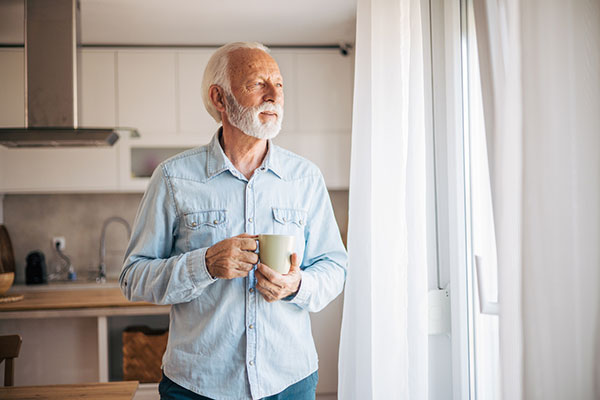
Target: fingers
{"x": 247, "y": 244}
{"x": 270, "y": 274}
{"x": 247, "y": 257}
{"x": 270, "y": 291}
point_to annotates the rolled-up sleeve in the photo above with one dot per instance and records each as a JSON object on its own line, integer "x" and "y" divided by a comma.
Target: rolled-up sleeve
{"x": 151, "y": 272}
{"x": 325, "y": 259}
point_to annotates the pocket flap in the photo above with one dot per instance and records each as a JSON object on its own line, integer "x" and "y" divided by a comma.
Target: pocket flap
{"x": 288, "y": 215}
{"x": 212, "y": 218}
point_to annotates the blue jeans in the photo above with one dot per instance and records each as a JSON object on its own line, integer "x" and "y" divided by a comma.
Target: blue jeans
{"x": 303, "y": 390}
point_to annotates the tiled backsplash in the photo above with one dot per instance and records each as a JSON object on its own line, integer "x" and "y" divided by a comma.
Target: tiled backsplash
{"x": 33, "y": 220}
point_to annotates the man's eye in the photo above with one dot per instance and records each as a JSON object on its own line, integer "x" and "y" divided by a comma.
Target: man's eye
{"x": 279, "y": 85}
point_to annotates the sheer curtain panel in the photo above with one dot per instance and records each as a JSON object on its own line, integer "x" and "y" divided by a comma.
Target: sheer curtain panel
{"x": 543, "y": 60}
{"x": 383, "y": 345}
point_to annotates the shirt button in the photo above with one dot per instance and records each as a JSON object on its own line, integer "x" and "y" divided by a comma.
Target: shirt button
{"x": 251, "y": 363}
{"x": 216, "y": 222}
{"x": 251, "y": 326}
{"x": 194, "y": 224}
{"x": 250, "y": 219}
{"x": 251, "y": 290}
{"x": 301, "y": 222}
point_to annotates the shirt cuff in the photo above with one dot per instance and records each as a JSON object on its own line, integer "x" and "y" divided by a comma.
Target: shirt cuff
{"x": 196, "y": 265}
{"x": 307, "y": 284}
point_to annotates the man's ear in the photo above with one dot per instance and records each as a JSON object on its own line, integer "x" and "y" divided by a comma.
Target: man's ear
{"x": 216, "y": 95}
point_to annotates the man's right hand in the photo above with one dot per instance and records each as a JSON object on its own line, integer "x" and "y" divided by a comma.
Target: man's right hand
{"x": 233, "y": 257}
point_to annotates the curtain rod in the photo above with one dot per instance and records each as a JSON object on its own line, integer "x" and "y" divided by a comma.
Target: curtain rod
{"x": 343, "y": 47}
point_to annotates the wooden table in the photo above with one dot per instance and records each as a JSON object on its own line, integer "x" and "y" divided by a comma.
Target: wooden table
{"x": 96, "y": 391}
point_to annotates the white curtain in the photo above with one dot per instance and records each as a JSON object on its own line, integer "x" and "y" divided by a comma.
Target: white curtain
{"x": 542, "y": 115}
{"x": 383, "y": 345}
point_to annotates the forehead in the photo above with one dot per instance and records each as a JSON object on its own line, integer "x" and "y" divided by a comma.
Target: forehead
{"x": 248, "y": 63}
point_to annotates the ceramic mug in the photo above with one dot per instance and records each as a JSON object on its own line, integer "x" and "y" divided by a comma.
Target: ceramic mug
{"x": 275, "y": 251}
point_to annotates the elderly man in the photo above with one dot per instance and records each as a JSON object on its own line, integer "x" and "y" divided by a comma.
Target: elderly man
{"x": 238, "y": 329}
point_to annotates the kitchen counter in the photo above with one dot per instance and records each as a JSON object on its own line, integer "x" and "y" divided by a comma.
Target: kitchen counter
{"x": 98, "y": 302}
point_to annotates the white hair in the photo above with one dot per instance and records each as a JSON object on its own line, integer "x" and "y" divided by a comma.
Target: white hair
{"x": 217, "y": 72}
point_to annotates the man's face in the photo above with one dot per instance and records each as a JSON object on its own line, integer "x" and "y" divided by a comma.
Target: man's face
{"x": 256, "y": 106}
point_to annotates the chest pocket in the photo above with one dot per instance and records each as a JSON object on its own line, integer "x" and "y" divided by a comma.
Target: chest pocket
{"x": 289, "y": 221}
{"x": 205, "y": 228}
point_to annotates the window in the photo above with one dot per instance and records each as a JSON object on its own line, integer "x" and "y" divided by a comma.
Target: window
{"x": 481, "y": 253}
{"x": 464, "y": 362}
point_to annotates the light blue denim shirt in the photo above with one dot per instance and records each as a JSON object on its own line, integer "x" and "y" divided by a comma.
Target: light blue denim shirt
{"x": 225, "y": 340}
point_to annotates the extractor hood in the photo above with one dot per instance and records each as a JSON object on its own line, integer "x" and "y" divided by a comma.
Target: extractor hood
{"x": 51, "y": 32}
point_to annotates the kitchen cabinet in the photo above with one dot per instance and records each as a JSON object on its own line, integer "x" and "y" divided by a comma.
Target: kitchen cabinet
{"x": 146, "y": 92}
{"x": 158, "y": 91}
{"x": 194, "y": 121}
{"x": 12, "y": 84}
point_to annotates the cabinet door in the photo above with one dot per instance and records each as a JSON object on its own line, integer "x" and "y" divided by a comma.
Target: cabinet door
{"x": 12, "y": 88}
{"x": 97, "y": 98}
{"x": 12, "y": 98}
{"x": 194, "y": 119}
{"x": 321, "y": 100}
{"x": 146, "y": 92}
{"x": 59, "y": 170}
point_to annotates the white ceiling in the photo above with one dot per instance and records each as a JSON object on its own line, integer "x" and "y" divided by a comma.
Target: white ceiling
{"x": 201, "y": 22}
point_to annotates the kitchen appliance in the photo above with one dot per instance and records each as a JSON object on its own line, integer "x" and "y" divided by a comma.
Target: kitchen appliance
{"x": 51, "y": 31}
{"x": 35, "y": 270}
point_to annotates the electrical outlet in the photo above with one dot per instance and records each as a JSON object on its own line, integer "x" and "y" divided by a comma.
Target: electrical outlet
{"x": 60, "y": 241}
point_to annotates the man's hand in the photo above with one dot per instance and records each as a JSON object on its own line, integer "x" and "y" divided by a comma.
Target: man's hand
{"x": 233, "y": 257}
{"x": 274, "y": 286}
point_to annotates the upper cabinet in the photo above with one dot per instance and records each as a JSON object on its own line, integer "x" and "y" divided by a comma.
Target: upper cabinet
{"x": 12, "y": 84}
{"x": 193, "y": 118}
{"x": 158, "y": 91}
{"x": 318, "y": 110}
{"x": 146, "y": 91}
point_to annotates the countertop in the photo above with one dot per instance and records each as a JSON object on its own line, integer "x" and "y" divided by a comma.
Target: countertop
{"x": 96, "y": 301}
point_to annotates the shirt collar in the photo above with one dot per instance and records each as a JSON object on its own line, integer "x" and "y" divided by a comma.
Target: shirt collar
{"x": 218, "y": 162}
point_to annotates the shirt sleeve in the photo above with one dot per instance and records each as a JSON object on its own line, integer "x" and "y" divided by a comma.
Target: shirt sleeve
{"x": 325, "y": 259}
{"x": 150, "y": 273}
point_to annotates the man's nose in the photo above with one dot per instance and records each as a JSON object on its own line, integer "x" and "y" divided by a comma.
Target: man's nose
{"x": 273, "y": 94}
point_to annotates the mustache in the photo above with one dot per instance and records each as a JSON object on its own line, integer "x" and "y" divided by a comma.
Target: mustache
{"x": 266, "y": 106}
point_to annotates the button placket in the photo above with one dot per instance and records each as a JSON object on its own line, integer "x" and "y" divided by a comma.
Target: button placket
{"x": 251, "y": 338}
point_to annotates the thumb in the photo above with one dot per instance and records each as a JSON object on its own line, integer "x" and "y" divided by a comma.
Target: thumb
{"x": 295, "y": 263}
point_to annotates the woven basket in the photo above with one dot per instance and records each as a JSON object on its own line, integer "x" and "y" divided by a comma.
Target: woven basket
{"x": 143, "y": 349}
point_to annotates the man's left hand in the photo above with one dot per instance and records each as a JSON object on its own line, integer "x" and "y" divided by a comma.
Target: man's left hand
{"x": 275, "y": 286}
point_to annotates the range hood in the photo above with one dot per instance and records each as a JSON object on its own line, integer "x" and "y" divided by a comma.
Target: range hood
{"x": 51, "y": 33}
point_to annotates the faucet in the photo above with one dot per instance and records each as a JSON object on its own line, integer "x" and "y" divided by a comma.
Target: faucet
{"x": 101, "y": 278}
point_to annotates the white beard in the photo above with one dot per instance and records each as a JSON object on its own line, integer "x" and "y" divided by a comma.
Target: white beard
{"x": 246, "y": 118}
